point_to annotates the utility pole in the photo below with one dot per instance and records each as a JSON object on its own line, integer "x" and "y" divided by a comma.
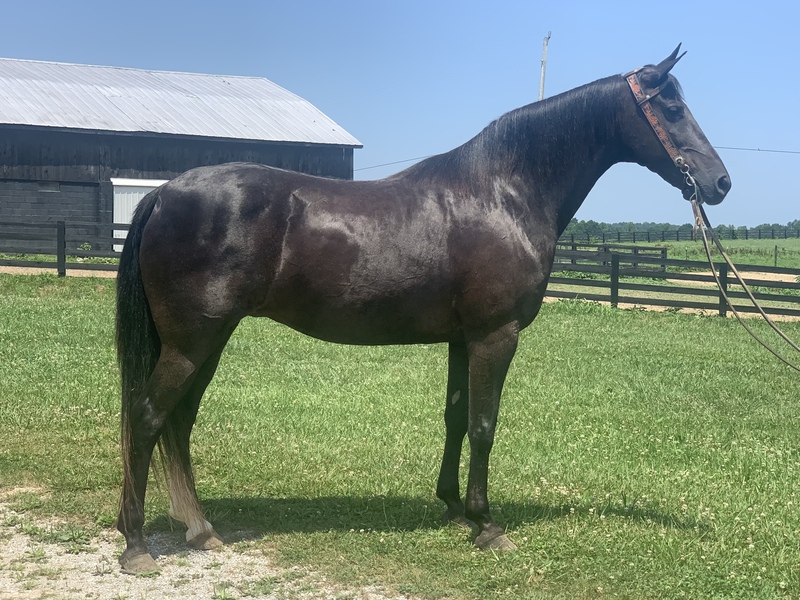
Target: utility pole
{"x": 544, "y": 66}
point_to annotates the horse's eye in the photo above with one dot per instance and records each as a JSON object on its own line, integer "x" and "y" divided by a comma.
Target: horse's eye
{"x": 674, "y": 112}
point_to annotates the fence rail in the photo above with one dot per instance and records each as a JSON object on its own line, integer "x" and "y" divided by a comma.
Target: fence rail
{"x": 605, "y": 272}
{"x": 676, "y": 284}
{"x": 71, "y": 241}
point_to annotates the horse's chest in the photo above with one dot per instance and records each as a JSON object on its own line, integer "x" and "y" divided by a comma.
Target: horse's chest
{"x": 504, "y": 277}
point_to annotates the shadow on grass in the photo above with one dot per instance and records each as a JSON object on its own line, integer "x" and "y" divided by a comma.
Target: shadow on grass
{"x": 242, "y": 519}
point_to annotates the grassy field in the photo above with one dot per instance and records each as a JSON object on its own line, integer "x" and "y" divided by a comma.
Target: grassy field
{"x": 749, "y": 252}
{"x": 639, "y": 455}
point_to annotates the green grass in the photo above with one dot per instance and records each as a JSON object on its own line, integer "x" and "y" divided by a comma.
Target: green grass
{"x": 639, "y": 455}
{"x": 749, "y": 252}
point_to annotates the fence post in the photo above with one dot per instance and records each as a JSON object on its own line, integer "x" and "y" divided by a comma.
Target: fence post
{"x": 614, "y": 280}
{"x": 664, "y": 257}
{"x": 723, "y": 280}
{"x": 61, "y": 248}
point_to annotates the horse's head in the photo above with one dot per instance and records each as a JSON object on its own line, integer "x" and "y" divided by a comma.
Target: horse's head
{"x": 679, "y": 146}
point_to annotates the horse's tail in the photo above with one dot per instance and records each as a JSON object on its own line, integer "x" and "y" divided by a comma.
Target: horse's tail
{"x": 138, "y": 344}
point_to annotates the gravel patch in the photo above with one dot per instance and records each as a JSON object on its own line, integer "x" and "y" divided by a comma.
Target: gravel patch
{"x": 32, "y": 569}
{"x": 783, "y": 277}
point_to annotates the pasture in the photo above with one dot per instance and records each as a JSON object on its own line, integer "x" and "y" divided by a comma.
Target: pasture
{"x": 750, "y": 252}
{"x": 638, "y": 454}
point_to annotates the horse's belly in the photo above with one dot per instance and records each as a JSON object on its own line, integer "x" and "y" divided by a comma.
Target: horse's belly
{"x": 388, "y": 312}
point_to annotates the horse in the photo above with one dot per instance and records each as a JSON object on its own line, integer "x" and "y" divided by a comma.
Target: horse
{"x": 455, "y": 249}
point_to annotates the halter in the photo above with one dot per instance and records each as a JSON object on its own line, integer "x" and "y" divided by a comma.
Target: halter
{"x": 643, "y": 102}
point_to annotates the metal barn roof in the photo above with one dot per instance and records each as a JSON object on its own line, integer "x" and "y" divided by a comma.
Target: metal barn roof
{"x": 47, "y": 94}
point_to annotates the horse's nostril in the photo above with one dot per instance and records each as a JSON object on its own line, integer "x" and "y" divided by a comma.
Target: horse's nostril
{"x": 724, "y": 184}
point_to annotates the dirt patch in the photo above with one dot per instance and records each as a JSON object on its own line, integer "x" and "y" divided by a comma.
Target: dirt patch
{"x": 70, "y": 272}
{"x": 781, "y": 277}
{"x": 34, "y": 568}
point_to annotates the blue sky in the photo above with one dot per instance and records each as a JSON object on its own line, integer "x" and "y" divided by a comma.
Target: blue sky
{"x": 416, "y": 78}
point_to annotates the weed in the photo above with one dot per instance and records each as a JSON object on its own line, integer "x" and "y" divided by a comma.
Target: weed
{"x": 36, "y": 555}
{"x": 27, "y": 501}
{"x": 221, "y": 591}
{"x": 105, "y": 566}
{"x": 266, "y": 586}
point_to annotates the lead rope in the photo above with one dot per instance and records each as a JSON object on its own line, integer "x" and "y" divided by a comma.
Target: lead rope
{"x": 702, "y": 223}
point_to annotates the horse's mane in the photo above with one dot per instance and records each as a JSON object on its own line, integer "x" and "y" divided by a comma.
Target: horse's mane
{"x": 518, "y": 136}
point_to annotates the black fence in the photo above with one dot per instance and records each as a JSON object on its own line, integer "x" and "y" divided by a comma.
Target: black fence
{"x": 648, "y": 278}
{"x": 74, "y": 245}
{"x": 605, "y": 272}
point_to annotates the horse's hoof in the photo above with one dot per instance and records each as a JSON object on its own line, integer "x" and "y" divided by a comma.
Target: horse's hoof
{"x": 208, "y": 540}
{"x": 138, "y": 563}
{"x": 493, "y": 540}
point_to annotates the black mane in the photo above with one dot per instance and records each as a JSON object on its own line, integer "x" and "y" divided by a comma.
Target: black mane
{"x": 526, "y": 135}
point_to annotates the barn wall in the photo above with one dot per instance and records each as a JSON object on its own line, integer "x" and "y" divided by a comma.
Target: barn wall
{"x": 39, "y": 154}
{"x": 33, "y": 159}
{"x": 39, "y": 201}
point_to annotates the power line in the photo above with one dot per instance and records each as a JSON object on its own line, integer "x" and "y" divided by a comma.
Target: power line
{"x": 757, "y": 150}
{"x": 397, "y": 162}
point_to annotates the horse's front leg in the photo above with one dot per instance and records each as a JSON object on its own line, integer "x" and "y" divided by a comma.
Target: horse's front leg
{"x": 489, "y": 358}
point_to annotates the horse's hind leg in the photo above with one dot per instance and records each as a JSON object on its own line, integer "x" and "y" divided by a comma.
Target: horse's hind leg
{"x": 183, "y": 503}
{"x": 169, "y": 382}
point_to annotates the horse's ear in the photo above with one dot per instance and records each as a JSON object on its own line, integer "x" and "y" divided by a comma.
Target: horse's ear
{"x": 655, "y": 75}
{"x": 666, "y": 65}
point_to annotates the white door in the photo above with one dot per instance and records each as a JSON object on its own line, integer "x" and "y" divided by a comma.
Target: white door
{"x": 127, "y": 194}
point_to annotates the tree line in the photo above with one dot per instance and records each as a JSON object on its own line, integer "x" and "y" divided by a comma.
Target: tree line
{"x": 591, "y": 228}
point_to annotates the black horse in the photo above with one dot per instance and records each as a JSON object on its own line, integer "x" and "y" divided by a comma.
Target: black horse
{"x": 457, "y": 249}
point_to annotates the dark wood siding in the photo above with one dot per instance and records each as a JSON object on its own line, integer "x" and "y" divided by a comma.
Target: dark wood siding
{"x": 50, "y": 174}
{"x": 38, "y": 154}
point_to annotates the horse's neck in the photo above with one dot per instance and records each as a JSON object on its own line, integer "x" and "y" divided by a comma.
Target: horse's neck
{"x": 565, "y": 145}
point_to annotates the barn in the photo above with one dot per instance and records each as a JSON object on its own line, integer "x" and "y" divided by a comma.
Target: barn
{"x": 83, "y": 143}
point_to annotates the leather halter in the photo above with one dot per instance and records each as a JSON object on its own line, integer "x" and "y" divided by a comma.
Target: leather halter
{"x": 643, "y": 101}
